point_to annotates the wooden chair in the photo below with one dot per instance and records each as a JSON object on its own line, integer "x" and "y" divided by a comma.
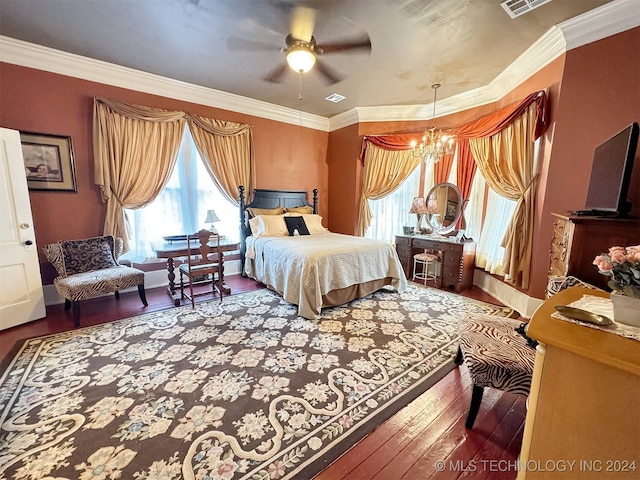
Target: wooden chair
{"x": 203, "y": 260}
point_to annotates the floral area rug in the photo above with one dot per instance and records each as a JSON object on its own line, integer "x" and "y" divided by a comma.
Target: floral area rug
{"x": 243, "y": 389}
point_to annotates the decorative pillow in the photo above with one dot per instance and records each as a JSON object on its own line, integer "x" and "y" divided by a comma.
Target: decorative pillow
{"x": 296, "y": 224}
{"x": 313, "y": 222}
{"x": 271, "y": 226}
{"x": 254, "y": 212}
{"x": 302, "y": 209}
{"x": 89, "y": 254}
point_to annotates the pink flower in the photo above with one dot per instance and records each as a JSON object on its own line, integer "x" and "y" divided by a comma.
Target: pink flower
{"x": 633, "y": 254}
{"x": 622, "y": 265}
{"x": 618, "y": 254}
{"x": 603, "y": 264}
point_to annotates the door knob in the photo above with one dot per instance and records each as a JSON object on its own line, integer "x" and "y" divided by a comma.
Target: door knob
{"x": 28, "y": 242}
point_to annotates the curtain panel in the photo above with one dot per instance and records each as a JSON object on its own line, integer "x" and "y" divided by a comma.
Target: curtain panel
{"x": 506, "y": 160}
{"x": 383, "y": 173}
{"x": 134, "y": 151}
{"x": 227, "y": 151}
{"x": 136, "y": 148}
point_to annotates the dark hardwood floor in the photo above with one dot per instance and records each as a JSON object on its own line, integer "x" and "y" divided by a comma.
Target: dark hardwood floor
{"x": 426, "y": 439}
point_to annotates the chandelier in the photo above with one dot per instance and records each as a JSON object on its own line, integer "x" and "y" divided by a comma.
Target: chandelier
{"x": 434, "y": 143}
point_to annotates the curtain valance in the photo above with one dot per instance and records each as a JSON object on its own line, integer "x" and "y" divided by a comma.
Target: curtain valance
{"x": 483, "y": 127}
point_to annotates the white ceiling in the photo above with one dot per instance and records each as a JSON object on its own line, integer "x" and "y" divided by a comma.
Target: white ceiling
{"x": 229, "y": 45}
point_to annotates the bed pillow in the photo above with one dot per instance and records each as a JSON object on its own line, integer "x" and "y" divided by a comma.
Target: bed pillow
{"x": 254, "y": 225}
{"x": 296, "y": 224}
{"x": 302, "y": 209}
{"x": 254, "y": 212}
{"x": 271, "y": 226}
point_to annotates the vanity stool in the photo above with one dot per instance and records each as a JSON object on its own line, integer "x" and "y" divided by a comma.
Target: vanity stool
{"x": 428, "y": 263}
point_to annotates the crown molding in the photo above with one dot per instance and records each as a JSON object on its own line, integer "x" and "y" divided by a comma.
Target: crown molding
{"x": 609, "y": 19}
{"x": 51, "y": 60}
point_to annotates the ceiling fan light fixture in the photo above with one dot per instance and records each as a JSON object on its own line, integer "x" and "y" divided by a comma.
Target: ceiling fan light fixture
{"x": 301, "y": 58}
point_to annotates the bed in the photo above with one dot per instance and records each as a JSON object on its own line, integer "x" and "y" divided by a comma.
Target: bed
{"x": 314, "y": 270}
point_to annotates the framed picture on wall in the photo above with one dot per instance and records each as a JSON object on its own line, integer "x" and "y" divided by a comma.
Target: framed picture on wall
{"x": 48, "y": 162}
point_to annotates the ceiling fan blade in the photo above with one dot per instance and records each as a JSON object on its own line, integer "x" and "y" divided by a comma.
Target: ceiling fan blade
{"x": 328, "y": 73}
{"x": 302, "y": 23}
{"x": 237, "y": 44}
{"x": 275, "y": 76}
{"x": 360, "y": 43}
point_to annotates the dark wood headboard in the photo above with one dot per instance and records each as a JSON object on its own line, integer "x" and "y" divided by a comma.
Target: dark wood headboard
{"x": 265, "y": 198}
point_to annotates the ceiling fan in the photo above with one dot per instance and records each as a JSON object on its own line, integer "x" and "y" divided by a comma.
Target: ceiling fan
{"x": 302, "y": 50}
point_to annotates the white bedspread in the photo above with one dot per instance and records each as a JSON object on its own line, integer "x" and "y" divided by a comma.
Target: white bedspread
{"x": 304, "y": 268}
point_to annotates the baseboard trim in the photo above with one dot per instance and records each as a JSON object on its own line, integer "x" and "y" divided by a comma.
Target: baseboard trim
{"x": 506, "y": 294}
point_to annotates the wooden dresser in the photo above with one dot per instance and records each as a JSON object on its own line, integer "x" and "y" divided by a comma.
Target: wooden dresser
{"x": 457, "y": 262}
{"x": 577, "y": 240}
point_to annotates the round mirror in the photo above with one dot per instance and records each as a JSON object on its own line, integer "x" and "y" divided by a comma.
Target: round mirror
{"x": 444, "y": 206}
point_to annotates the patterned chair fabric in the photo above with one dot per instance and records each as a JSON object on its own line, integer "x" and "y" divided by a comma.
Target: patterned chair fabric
{"x": 558, "y": 283}
{"x": 496, "y": 356}
{"x": 89, "y": 268}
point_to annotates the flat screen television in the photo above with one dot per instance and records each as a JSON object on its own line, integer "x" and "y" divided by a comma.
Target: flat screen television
{"x": 611, "y": 175}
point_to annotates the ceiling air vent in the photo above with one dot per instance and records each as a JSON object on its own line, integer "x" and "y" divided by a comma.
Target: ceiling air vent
{"x": 515, "y": 8}
{"x": 335, "y": 97}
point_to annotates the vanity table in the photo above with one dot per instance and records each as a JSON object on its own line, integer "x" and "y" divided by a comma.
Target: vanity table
{"x": 445, "y": 208}
{"x": 456, "y": 270}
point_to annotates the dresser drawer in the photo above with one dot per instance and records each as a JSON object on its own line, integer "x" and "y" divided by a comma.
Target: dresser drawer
{"x": 428, "y": 244}
{"x": 403, "y": 242}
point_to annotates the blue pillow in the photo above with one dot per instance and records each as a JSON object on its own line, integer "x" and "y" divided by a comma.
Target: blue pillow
{"x": 296, "y": 223}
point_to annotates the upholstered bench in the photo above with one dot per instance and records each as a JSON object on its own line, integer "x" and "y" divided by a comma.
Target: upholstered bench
{"x": 89, "y": 268}
{"x": 496, "y": 356}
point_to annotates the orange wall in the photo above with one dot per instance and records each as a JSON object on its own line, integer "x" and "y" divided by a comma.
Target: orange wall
{"x": 38, "y": 101}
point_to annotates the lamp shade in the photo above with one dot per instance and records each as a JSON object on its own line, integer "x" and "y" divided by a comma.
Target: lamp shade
{"x": 301, "y": 59}
{"x": 418, "y": 206}
{"x": 211, "y": 217}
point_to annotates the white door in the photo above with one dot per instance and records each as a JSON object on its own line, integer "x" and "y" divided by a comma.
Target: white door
{"x": 21, "y": 296}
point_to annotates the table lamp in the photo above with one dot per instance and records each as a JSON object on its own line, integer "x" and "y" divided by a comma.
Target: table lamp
{"x": 211, "y": 218}
{"x": 419, "y": 207}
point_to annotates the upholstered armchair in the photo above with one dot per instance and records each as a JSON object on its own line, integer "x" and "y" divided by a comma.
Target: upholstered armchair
{"x": 89, "y": 268}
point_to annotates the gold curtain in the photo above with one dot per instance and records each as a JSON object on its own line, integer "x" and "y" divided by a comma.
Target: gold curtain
{"x": 227, "y": 151}
{"x": 506, "y": 160}
{"x": 134, "y": 149}
{"x": 383, "y": 172}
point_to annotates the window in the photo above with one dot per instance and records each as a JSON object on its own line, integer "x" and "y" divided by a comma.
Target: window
{"x": 391, "y": 213}
{"x": 181, "y": 207}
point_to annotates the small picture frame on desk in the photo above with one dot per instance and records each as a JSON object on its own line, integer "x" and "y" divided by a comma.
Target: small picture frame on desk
{"x": 452, "y": 209}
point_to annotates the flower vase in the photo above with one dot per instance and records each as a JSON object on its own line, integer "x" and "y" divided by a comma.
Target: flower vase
{"x": 626, "y": 309}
